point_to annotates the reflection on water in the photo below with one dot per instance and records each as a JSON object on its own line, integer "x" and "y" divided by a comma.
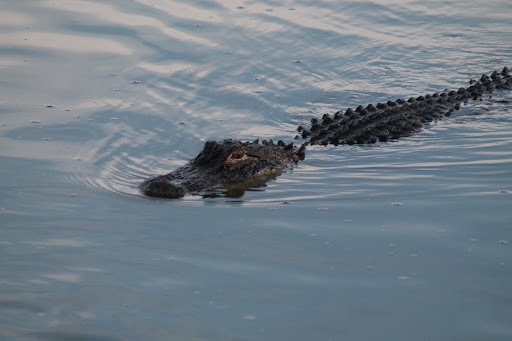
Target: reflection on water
{"x": 390, "y": 241}
{"x": 68, "y": 43}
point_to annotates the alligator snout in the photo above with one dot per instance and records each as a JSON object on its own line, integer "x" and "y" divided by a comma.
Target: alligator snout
{"x": 162, "y": 187}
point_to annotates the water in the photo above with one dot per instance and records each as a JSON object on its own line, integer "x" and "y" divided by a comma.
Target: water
{"x": 407, "y": 240}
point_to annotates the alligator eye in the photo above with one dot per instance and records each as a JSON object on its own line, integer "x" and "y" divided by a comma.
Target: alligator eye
{"x": 238, "y": 154}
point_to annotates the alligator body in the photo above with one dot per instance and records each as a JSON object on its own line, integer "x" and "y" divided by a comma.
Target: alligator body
{"x": 240, "y": 165}
{"x": 392, "y": 120}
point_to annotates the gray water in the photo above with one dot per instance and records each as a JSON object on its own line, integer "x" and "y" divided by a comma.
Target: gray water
{"x": 406, "y": 240}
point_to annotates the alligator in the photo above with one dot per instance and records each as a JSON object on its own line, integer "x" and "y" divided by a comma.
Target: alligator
{"x": 237, "y": 165}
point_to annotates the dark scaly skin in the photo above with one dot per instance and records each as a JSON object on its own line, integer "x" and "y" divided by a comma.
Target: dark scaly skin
{"x": 240, "y": 165}
{"x": 393, "y": 120}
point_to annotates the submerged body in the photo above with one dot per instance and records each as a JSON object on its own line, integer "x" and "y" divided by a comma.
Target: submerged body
{"x": 240, "y": 165}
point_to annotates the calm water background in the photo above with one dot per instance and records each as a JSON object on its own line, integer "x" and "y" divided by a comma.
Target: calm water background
{"x": 406, "y": 240}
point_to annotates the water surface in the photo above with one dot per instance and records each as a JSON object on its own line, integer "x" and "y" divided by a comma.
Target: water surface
{"x": 407, "y": 240}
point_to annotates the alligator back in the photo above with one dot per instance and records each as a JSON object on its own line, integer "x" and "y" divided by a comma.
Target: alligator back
{"x": 400, "y": 118}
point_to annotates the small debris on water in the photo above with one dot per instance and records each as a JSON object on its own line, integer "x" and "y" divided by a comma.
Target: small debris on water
{"x": 323, "y": 209}
{"x": 397, "y": 204}
{"x": 115, "y": 89}
{"x": 504, "y": 191}
{"x": 348, "y": 221}
{"x": 249, "y": 317}
{"x": 35, "y": 121}
{"x": 503, "y": 242}
{"x": 181, "y": 122}
{"x": 114, "y": 118}
{"x": 135, "y": 82}
{"x": 47, "y": 139}
{"x": 297, "y": 61}
{"x": 73, "y": 195}
{"x": 258, "y": 91}
{"x": 50, "y": 106}
{"x": 402, "y": 278}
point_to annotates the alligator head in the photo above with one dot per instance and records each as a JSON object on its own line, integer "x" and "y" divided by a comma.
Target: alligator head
{"x": 233, "y": 164}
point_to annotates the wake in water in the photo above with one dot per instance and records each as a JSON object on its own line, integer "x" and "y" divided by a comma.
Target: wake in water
{"x": 231, "y": 163}
{"x": 108, "y": 169}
